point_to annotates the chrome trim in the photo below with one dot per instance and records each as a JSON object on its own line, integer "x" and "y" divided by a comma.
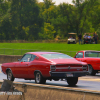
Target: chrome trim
{"x": 68, "y": 68}
{"x": 71, "y": 72}
{"x": 84, "y": 54}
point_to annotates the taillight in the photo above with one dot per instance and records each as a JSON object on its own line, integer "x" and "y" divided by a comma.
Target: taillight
{"x": 53, "y": 68}
{"x": 84, "y": 67}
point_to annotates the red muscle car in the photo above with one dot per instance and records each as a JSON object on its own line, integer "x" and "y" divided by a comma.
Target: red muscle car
{"x": 92, "y": 58}
{"x": 45, "y": 65}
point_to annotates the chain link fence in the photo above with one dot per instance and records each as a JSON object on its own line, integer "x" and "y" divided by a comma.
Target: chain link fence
{"x": 5, "y": 51}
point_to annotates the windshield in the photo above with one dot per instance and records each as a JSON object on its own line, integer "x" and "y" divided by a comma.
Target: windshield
{"x": 56, "y": 56}
{"x": 92, "y": 54}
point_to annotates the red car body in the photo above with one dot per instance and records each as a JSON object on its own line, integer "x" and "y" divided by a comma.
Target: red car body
{"x": 45, "y": 65}
{"x": 92, "y": 58}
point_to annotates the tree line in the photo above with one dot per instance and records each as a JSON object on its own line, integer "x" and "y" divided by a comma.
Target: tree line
{"x": 33, "y": 20}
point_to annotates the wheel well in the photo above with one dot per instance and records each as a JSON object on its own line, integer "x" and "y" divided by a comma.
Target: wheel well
{"x": 36, "y": 72}
{"x": 91, "y": 65}
{"x": 7, "y": 70}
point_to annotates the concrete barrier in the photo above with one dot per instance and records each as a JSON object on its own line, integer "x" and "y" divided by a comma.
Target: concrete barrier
{"x": 44, "y": 92}
{"x": 9, "y": 58}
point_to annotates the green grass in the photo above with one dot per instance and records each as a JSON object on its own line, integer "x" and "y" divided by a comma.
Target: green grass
{"x": 21, "y": 48}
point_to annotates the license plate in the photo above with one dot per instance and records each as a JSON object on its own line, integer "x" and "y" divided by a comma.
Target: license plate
{"x": 69, "y": 75}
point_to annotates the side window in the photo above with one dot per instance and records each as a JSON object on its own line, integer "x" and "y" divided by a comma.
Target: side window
{"x": 32, "y": 57}
{"x": 26, "y": 58}
{"x": 79, "y": 55}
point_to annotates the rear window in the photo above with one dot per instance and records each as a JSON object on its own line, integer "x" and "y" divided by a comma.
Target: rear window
{"x": 56, "y": 56}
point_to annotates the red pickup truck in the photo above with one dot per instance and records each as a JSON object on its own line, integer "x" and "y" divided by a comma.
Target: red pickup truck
{"x": 92, "y": 58}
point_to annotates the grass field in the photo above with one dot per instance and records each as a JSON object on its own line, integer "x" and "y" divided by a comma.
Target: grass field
{"x": 21, "y": 48}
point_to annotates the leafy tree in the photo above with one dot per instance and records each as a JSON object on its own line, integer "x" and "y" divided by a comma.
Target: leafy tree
{"x": 4, "y": 20}
{"x": 25, "y": 13}
{"x": 48, "y": 31}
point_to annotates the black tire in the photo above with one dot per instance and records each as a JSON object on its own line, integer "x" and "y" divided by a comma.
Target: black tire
{"x": 91, "y": 70}
{"x": 10, "y": 75}
{"x": 74, "y": 42}
{"x": 39, "y": 78}
{"x": 68, "y": 42}
{"x": 72, "y": 81}
{"x": 56, "y": 79}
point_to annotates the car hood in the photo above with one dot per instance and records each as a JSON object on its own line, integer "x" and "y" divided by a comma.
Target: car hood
{"x": 66, "y": 61}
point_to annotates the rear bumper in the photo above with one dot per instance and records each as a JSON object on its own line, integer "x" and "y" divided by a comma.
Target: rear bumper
{"x": 67, "y": 74}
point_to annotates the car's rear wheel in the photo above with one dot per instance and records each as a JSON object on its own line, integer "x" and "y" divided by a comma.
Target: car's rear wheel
{"x": 10, "y": 75}
{"x": 72, "y": 81}
{"x": 91, "y": 70}
{"x": 39, "y": 79}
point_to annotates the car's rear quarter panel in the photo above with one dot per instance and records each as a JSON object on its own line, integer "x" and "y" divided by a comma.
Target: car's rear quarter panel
{"x": 41, "y": 66}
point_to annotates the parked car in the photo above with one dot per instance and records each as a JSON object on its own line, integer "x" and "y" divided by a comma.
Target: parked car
{"x": 92, "y": 58}
{"x": 45, "y": 65}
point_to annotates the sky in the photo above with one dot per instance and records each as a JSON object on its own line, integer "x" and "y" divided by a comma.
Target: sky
{"x": 57, "y": 2}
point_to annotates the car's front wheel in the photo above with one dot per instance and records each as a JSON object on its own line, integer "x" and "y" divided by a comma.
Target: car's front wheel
{"x": 72, "y": 81}
{"x": 10, "y": 75}
{"x": 39, "y": 79}
{"x": 91, "y": 70}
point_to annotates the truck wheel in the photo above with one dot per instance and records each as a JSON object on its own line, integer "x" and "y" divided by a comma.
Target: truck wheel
{"x": 72, "y": 81}
{"x": 39, "y": 78}
{"x": 10, "y": 75}
{"x": 91, "y": 70}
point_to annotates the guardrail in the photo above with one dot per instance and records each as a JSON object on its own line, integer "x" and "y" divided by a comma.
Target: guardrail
{"x": 7, "y": 51}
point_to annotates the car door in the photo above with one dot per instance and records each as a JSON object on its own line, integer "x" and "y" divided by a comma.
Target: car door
{"x": 21, "y": 68}
{"x": 79, "y": 56}
{"x": 32, "y": 66}
{"x": 92, "y": 59}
